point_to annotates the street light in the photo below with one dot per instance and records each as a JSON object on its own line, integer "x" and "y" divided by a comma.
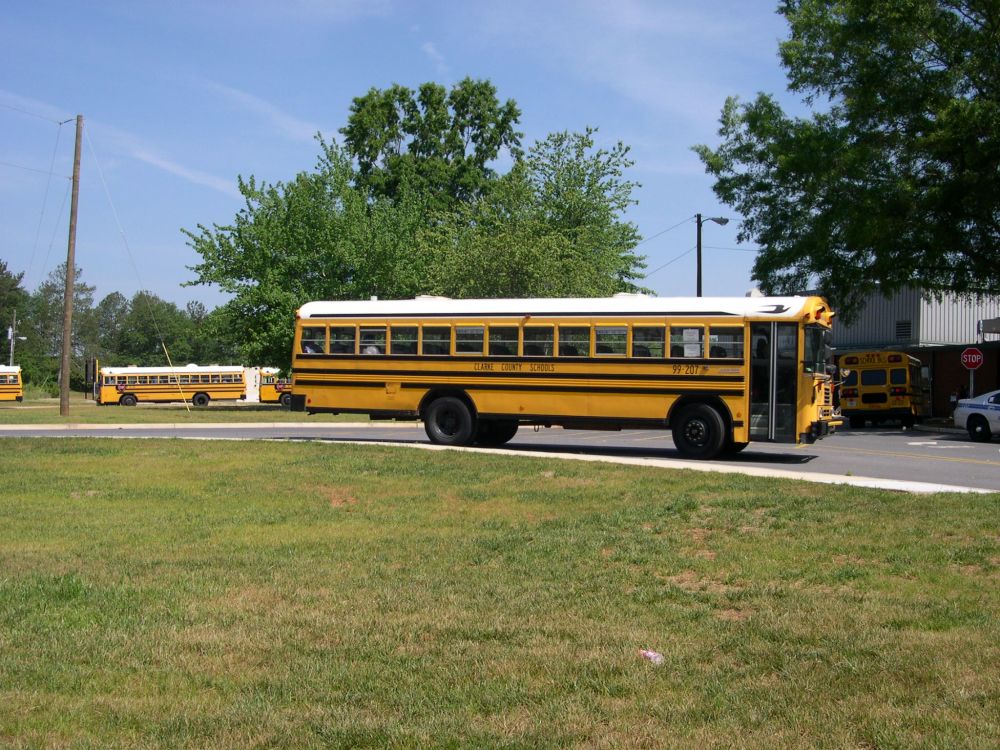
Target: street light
{"x": 720, "y": 220}
{"x": 12, "y": 335}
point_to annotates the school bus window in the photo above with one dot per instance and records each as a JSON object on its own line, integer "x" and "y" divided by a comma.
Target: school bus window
{"x": 469, "y": 340}
{"x": 436, "y": 340}
{"x": 403, "y": 340}
{"x": 342, "y": 339}
{"x": 687, "y": 341}
{"x": 313, "y": 340}
{"x": 873, "y": 377}
{"x": 538, "y": 341}
{"x": 647, "y": 341}
{"x": 611, "y": 340}
{"x": 132, "y": 380}
{"x": 373, "y": 340}
{"x": 574, "y": 341}
{"x": 503, "y": 341}
{"x": 725, "y": 343}
{"x": 897, "y": 376}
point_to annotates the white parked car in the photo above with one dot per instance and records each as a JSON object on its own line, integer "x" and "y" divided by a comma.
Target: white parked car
{"x": 980, "y": 416}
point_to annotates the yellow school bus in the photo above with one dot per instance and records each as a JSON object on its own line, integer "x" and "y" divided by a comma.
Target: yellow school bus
{"x": 882, "y": 386}
{"x": 11, "y": 386}
{"x": 717, "y": 372}
{"x": 273, "y": 389}
{"x": 200, "y": 385}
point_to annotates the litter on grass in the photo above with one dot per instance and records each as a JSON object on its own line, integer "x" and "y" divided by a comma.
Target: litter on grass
{"x": 654, "y": 656}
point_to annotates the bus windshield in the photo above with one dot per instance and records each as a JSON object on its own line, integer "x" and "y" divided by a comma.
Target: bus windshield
{"x": 816, "y": 349}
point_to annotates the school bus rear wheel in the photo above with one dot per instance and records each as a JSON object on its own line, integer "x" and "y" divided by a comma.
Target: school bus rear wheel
{"x": 128, "y": 400}
{"x": 200, "y": 399}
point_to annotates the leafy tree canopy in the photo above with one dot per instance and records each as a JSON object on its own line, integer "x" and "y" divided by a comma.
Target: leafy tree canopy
{"x": 12, "y": 294}
{"x": 439, "y": 142}
{"x": 894, "y": 180}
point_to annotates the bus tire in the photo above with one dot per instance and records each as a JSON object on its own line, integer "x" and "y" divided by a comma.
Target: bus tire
{"x": 200, "y": 399}
{"x": 448, "y": 421}
{"x": 856, "y": 422}
{"x": 699, "y": 432}
{"x": 128, "y": 400}
{"x": 979, "y": 428}
{"x": 285, "y": 400}
{"x": 495, "y": 431}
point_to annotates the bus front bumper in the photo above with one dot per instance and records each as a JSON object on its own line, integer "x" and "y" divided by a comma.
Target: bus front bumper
{"x": 818, "y": 430}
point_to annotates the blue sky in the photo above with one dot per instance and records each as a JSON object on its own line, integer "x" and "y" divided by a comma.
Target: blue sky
{"x": 179, "y": 98}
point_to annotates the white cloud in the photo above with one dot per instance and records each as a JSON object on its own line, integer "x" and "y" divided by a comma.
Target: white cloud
{"x": 440, "y": 65}
{"x": 195, "y": 176}
{"x": 288, "y": 125}
{"x": 121, "y": 143}
{"x": 678, "y": 60}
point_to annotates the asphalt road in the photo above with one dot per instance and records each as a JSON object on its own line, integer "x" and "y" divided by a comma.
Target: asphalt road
{"x": 920, "y": 460}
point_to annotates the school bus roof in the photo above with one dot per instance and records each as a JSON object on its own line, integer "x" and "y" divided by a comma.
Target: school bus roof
{"x": 781, "y": 308}
{"x": 171, "y": 370}
{"x": 7, "y": 369}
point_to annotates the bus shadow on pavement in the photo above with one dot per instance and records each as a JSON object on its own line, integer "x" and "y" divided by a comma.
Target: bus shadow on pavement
{"x": 748, "y": 456}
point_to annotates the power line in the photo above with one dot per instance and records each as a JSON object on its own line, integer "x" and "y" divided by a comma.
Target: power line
{"x": 45, "y": 202}
{"x": 32, "y": 169}
{"x": 33, "y": 114}
{"x": 668, "y": 229}
{"x": 672, "y": 260}
{"x": 738, "y": 249}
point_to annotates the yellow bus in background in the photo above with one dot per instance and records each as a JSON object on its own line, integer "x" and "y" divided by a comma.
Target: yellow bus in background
{"x": 880, "y": 386}
{"x": 200, "y": 385}
{"x": 11, "y": 385}
{"x": 717, "y": 372}
{"x": 273, "y": 389}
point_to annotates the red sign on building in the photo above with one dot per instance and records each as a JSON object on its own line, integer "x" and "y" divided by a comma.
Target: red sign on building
{"x": 972, "y": 358}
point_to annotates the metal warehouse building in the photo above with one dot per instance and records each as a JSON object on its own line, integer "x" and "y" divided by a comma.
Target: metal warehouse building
{"x": 936, "y": 333}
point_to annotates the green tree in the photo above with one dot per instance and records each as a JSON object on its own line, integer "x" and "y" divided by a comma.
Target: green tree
{"x": 40, "y": 354}
{"x": 440, "y": 143}
{"x": 151, "y": 324}
{"x": 551, "y": 227}
{"x": 111, "y": 315}
{"x": 13, "y": 300}
{"x": 315, "y": 237}
{"x": 894, "y": 180}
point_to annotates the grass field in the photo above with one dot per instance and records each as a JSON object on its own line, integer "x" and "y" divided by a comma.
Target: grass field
{"x": 176, "y": 594}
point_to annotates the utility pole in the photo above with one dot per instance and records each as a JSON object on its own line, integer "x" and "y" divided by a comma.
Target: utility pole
{"x": 67, "y": 342}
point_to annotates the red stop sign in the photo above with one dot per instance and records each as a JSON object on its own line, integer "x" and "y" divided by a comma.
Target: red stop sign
{"x": 972, "y": 358}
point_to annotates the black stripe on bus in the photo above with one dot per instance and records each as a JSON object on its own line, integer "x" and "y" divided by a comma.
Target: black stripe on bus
{"x": 470, "y": 386}
{"x": 463, "y": 358}
{"x": 397, "y": 374}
